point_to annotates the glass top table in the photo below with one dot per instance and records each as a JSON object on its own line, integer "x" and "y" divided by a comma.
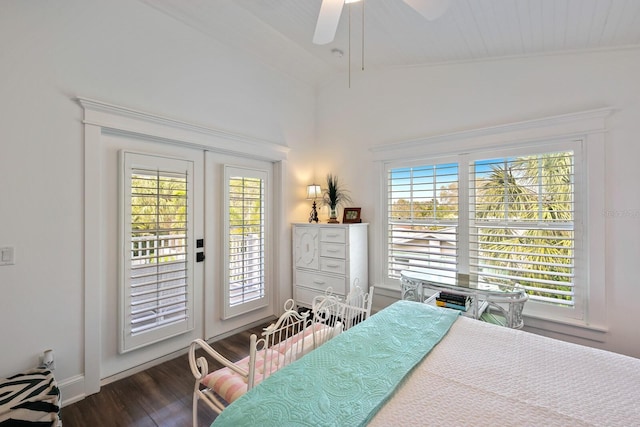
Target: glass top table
{"x": 488, "y": 302}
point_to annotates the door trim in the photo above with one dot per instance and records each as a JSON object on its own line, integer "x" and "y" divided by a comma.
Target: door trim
{"x": 100, "y": 118}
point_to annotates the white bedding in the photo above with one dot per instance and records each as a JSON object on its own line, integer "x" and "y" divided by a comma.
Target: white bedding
{"x": 480, "y": 374}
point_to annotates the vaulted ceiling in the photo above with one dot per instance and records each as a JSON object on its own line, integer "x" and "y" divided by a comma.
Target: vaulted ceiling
{"x": 279, "y": 32}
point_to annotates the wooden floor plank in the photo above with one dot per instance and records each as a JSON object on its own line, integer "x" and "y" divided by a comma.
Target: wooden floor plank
{"x": 160, "y": 396}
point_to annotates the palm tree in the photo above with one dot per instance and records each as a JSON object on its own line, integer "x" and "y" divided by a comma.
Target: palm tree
{"x": 523, "y": 191}
{"x": 158, "y": 211}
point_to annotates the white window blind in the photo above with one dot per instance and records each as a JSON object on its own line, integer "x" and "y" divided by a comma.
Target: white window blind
{"x": 522, "y": 224}
{"x": 546, "y": 234}
{"x": 521, "y": 228}
{"x": 245, "y": 211}
{"x": 157, "y": 279}
{"x": 423, "y": 221}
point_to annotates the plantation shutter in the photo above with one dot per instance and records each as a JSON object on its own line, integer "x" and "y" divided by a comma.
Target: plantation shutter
{"x": 157, "y": 278}
{"x": 245, "y": 211}
{"x": 522, "y": 225}
{"x": 423, "y": 221}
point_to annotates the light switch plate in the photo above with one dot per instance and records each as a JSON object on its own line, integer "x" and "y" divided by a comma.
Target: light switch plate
{"x": 7, "y": 254}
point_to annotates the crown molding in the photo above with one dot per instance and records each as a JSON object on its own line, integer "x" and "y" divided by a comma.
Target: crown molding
{"x": 563, "y": 125}
{"x": 120, "y": 119}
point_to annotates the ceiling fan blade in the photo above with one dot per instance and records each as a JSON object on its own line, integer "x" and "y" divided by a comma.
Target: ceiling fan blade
{"x": 328, "y": 19}
{"x": 430, "y": 9}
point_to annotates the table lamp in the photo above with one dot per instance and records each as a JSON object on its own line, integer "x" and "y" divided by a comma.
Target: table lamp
{"x": 313, "y": 192}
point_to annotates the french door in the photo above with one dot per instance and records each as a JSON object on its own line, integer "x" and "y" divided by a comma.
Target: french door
{"x": 154, "y": 217}
{"x": 160, "y": 212}
{"x": 166, "y": 244}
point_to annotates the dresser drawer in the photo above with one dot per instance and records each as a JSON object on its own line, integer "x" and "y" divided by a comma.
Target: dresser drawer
{"x": 333, "y": 235}
{"x": 333, "y": 250}
{"x": 319, "y": 282}
{"x": 333, "y": 265}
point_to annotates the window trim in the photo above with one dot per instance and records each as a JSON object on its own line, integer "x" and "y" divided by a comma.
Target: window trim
{"x": 588, "y": 126}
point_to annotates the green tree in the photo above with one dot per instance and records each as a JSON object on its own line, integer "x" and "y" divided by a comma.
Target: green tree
{"x": 245, "y": 205}
{"x": 448, "y": 201}
{"x": 528, "y": 190}
{"x": 158, "y": 210}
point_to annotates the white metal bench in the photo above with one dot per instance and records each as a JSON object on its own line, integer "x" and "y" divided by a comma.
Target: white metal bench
{"x": 355, "y": 308}
{"x": 292, "y": 336}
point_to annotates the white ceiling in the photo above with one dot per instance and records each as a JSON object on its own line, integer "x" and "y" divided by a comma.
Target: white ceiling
{"x": 279, "y": 32}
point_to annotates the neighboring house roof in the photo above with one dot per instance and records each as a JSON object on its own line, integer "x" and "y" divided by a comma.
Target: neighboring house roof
{"x": 445, "y": 235}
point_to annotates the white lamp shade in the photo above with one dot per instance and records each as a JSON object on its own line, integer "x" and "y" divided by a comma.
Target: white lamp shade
{"x": 313, "y": 191}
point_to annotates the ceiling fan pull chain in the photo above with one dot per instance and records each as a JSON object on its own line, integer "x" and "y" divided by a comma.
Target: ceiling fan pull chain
{"x": 363, "y": 35}
{"x": 349, "y": 45}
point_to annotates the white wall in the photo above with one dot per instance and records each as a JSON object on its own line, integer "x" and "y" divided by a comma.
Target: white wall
{"x": 125, "y": 53}
{"x": 413, "y": 103}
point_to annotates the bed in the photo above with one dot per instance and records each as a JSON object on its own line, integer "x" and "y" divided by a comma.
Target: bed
{"x": 415, "y": 364}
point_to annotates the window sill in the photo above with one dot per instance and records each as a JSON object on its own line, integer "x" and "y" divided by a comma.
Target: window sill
{"x": 565, "y": 329}
{"x": 556, "y": 328}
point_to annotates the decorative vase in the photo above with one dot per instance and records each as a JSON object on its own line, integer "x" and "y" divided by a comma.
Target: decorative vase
{"x": 333, "y": 215}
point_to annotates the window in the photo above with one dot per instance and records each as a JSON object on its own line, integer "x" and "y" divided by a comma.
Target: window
{"x": 522, "y": 225}
{"x": 156, "y": 285}
{"x": 500, "y": 218}
{"x": 423, "y": 220}
{"x": 245, "y": 200}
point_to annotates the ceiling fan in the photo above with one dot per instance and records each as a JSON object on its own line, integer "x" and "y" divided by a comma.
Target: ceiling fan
{"x": 330, "y": 12}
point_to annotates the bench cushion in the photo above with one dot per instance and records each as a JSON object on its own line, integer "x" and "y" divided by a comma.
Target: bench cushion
{"x": 229, "y": 385}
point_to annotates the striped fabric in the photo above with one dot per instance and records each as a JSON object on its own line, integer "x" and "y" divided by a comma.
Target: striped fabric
{"x": 229, "y": 385}
{"x": 291, "y": 341}
{"x": 30, "y": 398}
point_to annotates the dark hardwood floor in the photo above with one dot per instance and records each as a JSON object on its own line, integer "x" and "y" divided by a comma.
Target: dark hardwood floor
{"x": 158, "y": 396}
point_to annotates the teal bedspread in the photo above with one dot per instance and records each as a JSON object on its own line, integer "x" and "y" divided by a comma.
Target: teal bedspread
{"x": 347, "y": 380}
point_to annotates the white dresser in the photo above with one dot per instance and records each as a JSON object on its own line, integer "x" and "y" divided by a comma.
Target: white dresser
{"x": 328, "y": 256}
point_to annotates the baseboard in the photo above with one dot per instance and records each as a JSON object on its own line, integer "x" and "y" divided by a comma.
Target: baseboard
{"x": 142, "y": 367}
{"x": 240, "y": 329}
{"x": 173, "y": 355}
{"x": 71, "y": 389}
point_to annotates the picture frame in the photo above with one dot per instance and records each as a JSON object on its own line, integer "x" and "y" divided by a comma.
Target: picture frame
{"x": 351, "y": 215}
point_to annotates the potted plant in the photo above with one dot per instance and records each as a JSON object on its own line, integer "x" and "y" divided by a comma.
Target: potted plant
{"x": 333, "y": 197}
